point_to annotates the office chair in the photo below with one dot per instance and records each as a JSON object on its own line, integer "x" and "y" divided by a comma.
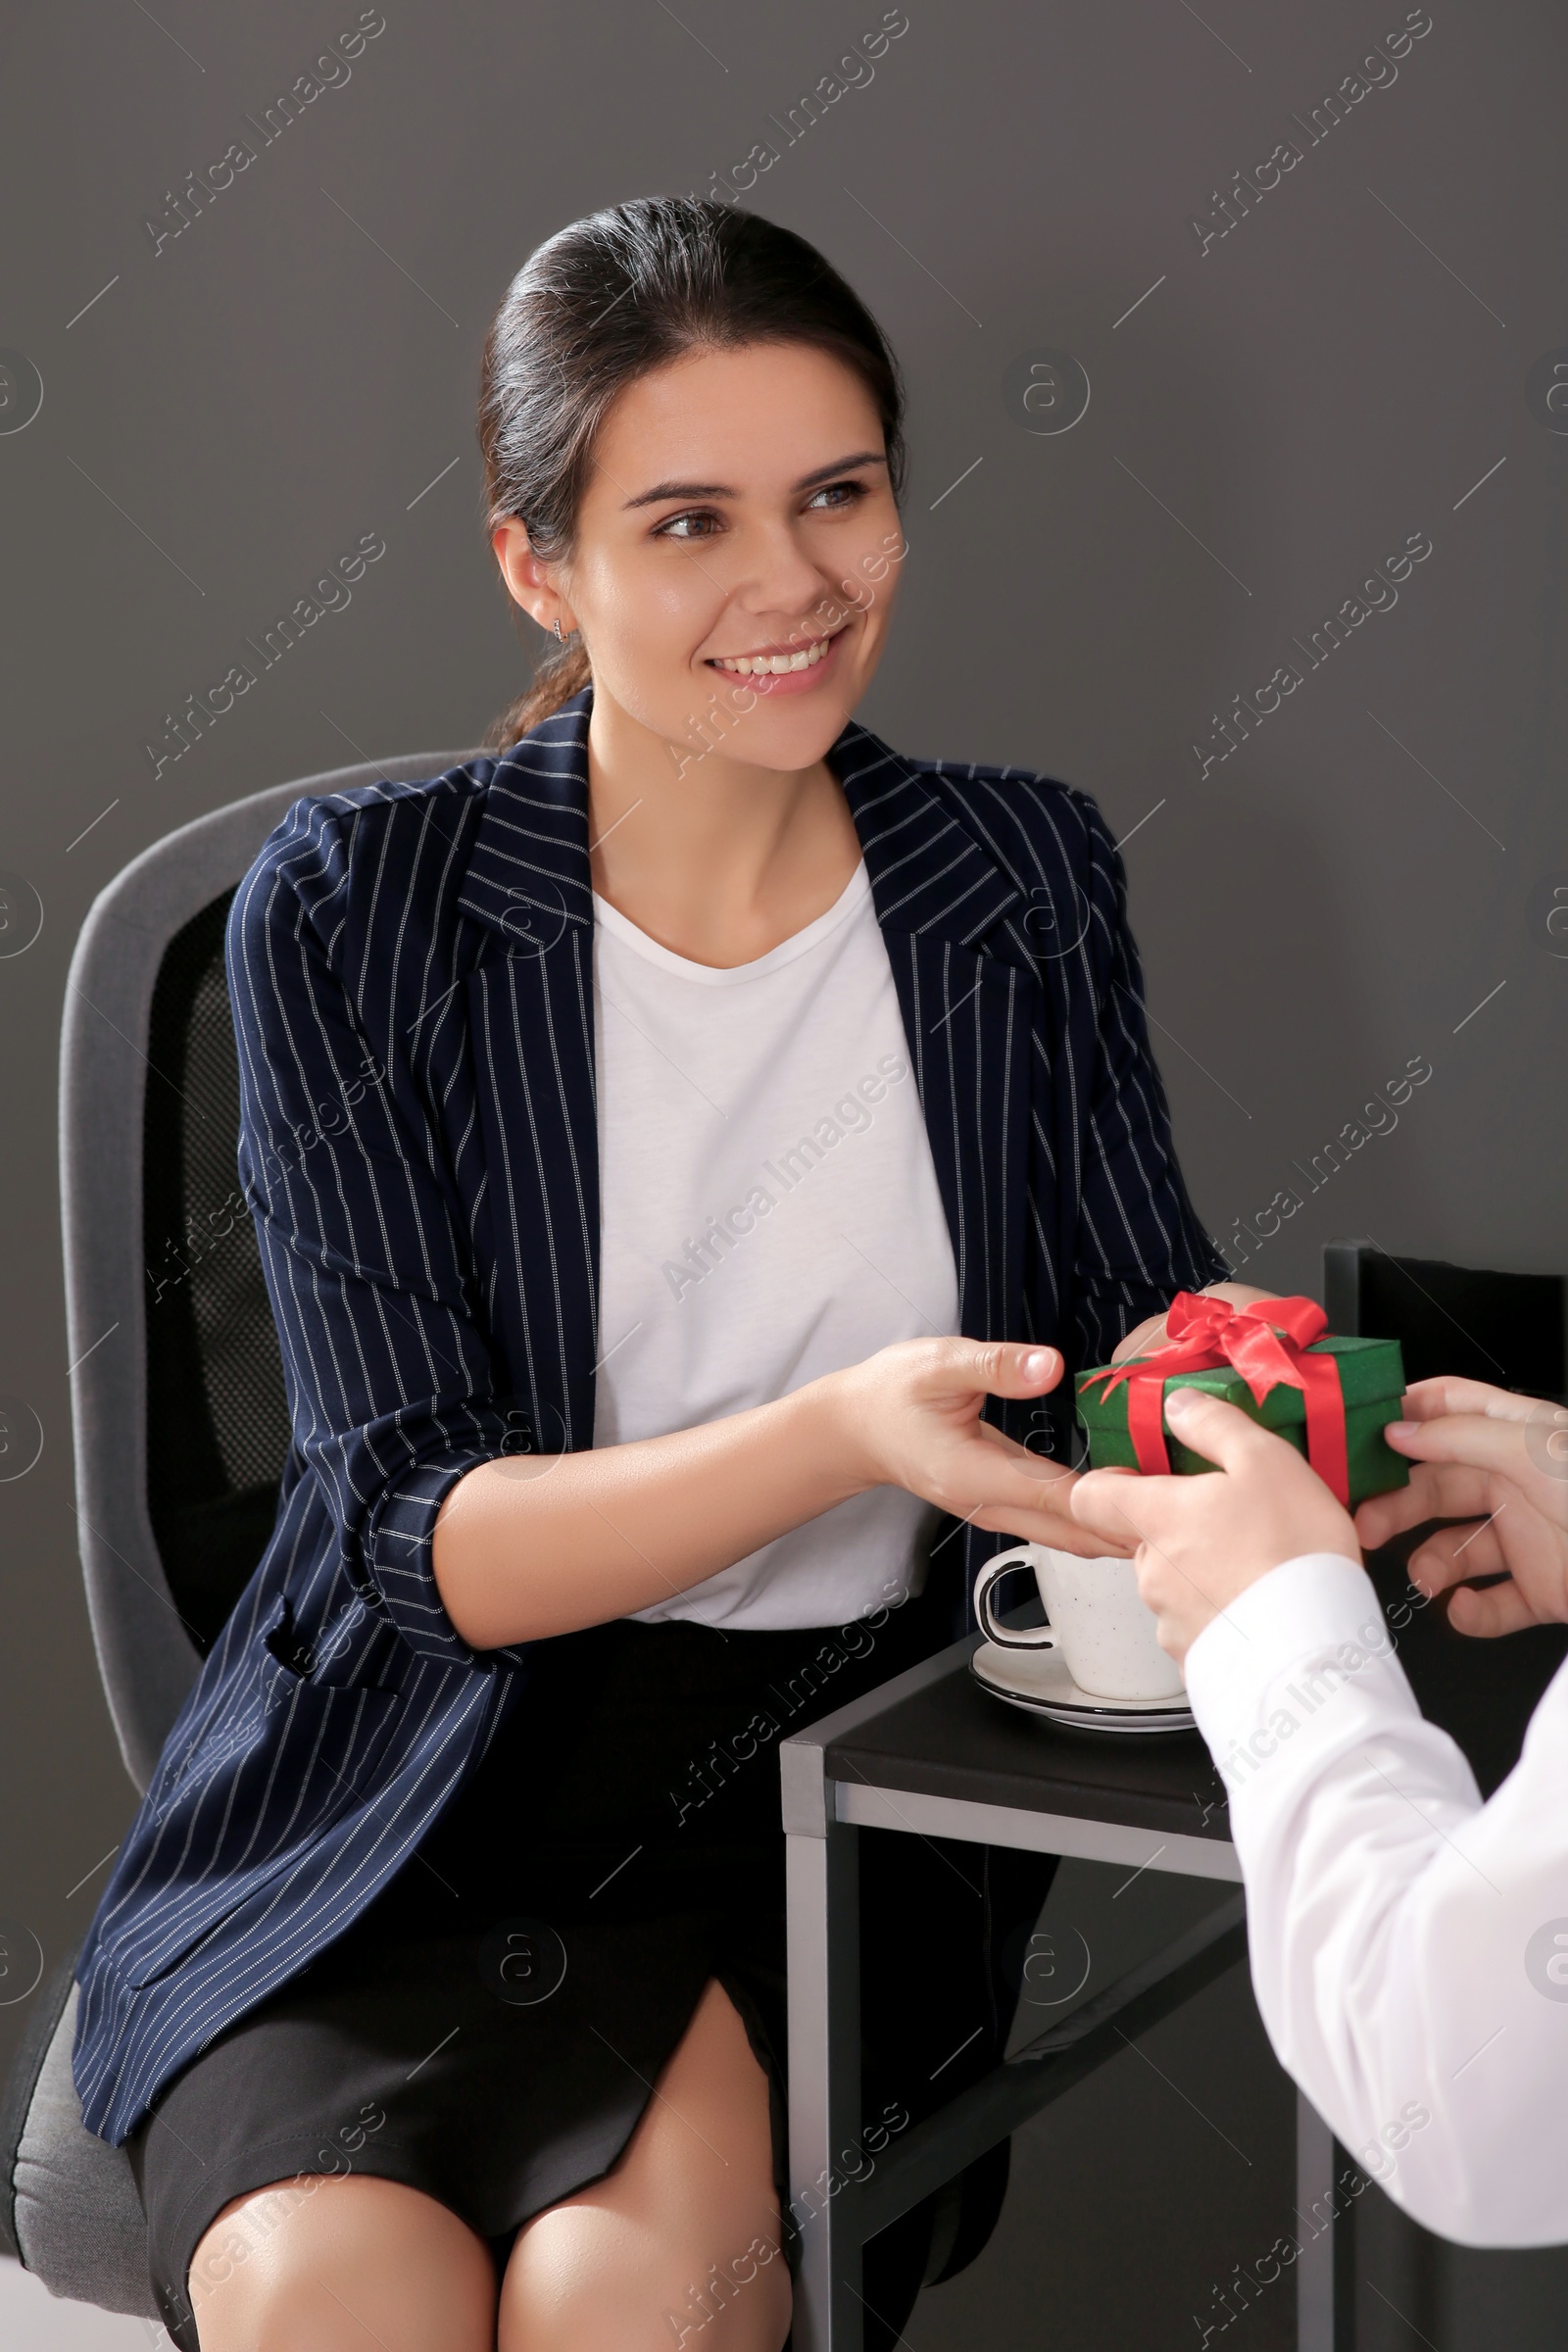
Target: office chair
{"x": 181, "y": 1428}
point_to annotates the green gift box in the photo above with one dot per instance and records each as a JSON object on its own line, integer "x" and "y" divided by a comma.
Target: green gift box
{"x": 1371, "y": 1382}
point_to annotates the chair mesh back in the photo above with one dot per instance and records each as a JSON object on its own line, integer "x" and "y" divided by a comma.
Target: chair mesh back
{"x": 217, "y": 1434}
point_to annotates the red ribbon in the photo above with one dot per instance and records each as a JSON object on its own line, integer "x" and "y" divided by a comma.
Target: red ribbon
{"x": 1206, "y": 1333}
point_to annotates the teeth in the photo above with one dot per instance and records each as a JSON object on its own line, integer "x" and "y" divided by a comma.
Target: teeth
{"x": 748, "y": 666}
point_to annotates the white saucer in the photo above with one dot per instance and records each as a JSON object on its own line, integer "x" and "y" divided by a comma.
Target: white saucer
{"x": 1037, "y": 1681}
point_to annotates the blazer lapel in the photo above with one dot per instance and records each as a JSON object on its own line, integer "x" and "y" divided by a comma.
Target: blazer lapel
{"x": 964, "y": 988}
{"x": 530, "y": 1014}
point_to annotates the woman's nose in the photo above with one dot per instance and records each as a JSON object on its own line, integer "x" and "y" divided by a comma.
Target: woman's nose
{"x": 780, "y": 581}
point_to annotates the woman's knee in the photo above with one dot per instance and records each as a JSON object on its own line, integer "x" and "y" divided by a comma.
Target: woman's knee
{"x": 738, "y": 2302}
{"x": 584, "y": 2280}
{"x": 318, "y": 2262}
{"x": 680, "y": 2243}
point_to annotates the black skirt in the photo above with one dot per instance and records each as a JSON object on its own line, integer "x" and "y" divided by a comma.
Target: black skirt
{"x": 490, "y": 2027}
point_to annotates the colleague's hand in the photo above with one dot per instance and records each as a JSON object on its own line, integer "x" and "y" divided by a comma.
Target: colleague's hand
{"x": 911, "y": 1415}
{"x": 1201, "y": 1540}
{"x": 1484, "y": 1454}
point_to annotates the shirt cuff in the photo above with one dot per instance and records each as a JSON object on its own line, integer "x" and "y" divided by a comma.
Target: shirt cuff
{"x": 1317, "y": 1605}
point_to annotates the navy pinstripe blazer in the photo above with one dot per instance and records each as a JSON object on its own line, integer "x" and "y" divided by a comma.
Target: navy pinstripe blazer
{"x": 410, "y": 968}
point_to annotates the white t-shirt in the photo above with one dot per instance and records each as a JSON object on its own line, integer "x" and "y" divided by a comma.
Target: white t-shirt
{"x": 769, "y": 1212}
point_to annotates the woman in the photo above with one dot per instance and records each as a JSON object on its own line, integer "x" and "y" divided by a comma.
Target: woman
{"x": 684, "y": 1150}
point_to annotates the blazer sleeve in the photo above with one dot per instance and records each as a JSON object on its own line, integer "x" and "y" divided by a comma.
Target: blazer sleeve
{"x": 391, "y": 1384}
{"x": 1139, "y": 1240}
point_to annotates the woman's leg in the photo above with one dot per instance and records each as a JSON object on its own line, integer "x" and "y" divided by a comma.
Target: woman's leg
{"x": 680, "y": 2243}
{"x": 339, "y": 2264}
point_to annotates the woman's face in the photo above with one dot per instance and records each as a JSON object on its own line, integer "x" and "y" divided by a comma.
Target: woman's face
{"x": 737, "y": 554}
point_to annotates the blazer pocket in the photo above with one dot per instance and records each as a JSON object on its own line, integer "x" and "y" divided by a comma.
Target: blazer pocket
{"x": 284, "y": 1775}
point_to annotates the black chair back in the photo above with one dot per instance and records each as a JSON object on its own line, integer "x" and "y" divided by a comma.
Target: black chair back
{"x": 178, "y": 1399}
{"x": 1508, "y": 1329}
{"x": 218, "y": 1428}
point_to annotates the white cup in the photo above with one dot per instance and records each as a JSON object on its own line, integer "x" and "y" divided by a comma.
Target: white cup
{"x": 1106, "y": 1636}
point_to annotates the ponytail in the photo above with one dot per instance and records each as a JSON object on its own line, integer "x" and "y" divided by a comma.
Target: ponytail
{"x": 564, "y": 672}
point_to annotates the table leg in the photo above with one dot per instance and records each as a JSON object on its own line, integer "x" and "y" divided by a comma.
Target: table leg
{"x": 1315, "y": 2208}
{"x": 824, "y": 2028}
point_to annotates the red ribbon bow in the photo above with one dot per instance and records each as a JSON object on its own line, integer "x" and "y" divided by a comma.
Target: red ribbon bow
{"x": 1206, "y": 1333}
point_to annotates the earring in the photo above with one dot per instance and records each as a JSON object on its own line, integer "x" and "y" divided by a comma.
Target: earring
{"x": 559, "y": 640}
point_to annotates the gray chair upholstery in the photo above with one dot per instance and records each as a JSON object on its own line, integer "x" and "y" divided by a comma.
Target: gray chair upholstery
{"x": 77, "y": 2219}
{"x": 68, "y": 2201}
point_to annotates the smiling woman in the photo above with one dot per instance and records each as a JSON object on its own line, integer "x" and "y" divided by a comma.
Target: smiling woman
{"x": 552, "y": 1525}
{"x": 696, "y": 494}
{"x": 680, "y": 587}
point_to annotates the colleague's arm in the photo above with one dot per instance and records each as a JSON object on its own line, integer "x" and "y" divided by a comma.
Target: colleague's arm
{"x": 1403, "y": 1936}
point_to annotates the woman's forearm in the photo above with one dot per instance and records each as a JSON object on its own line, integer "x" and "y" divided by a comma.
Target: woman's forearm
{"x": 529, "y": 1546}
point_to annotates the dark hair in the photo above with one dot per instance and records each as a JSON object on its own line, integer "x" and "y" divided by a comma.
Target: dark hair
{"x": 602, "y": 303}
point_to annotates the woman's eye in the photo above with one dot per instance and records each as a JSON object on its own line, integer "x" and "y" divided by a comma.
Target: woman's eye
{"x": 673, "y": 530}
{"x": 852, "y": 493}
{"x": 832, "y": 498}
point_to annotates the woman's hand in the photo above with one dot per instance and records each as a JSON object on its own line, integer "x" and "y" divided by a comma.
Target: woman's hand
{"x": 530, "y": 1546}
{"x": 911, "y": 1415}
{"x": 1486, "y": 1455}
{"x": 1201, "y": 1540}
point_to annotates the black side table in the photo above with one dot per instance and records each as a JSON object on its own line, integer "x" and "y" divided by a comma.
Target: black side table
{"x": 931, "y": 1754}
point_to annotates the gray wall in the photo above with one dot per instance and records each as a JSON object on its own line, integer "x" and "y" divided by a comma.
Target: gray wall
{"x": 1295, "y": 398}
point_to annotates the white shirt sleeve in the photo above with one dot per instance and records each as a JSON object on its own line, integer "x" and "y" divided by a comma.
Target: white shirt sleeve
{"x": 1409, "y": 1945}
